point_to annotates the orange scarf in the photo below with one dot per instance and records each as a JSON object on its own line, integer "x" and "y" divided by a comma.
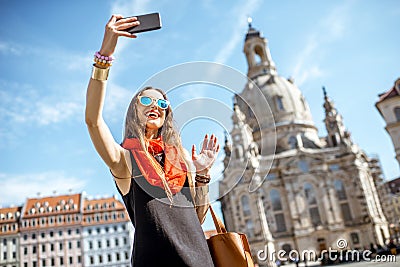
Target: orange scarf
{"x": 174, "y": 167}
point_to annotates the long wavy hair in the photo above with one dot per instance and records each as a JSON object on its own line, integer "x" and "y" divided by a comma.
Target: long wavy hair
{"x": 169, "y": 133}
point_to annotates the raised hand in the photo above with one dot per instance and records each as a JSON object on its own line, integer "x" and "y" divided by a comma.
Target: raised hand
{"x": 115, "y": 27}
{"x": 204, "y": 161}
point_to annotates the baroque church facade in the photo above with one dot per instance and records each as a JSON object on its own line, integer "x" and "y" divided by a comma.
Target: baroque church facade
{"x": 310, "y": 191}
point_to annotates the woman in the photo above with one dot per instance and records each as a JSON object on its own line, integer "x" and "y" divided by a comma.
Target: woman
{"x": 152, "y": 172}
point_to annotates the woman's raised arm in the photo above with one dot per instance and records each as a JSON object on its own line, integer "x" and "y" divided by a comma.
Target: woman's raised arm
{"x": 108, "y": 149}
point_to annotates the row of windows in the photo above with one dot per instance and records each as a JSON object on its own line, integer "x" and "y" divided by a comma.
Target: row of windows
{"x": 107, "y": 242}
{"x": 51, "y": 247}
{"x": 99, "y": 217}
{"x": 109, "y": 258}
{"x": 303, "y": 166}
{"x": 70, "y": 260}
{"x": 106, "y": 229}
{"x": 60, "y": 219}
{"x": 13, "y": 241}
{"x": 13, "y": 255}
{"x": 9, "y": 227}
{"x": 50, "y": 209}
{"x": 311, "y": 199}
{"x": 9, "y": 215}
{"x": 52, "y": 261}
{"x": 51, "y": 234}
{"x": 97, "y": 206}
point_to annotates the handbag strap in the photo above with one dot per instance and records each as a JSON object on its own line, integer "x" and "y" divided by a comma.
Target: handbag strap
{"x": 217, "y": 222}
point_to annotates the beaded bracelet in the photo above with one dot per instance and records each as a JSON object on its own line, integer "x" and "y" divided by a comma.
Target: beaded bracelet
{"x": 103, "y": 60}
{"x": 205, "y": 179}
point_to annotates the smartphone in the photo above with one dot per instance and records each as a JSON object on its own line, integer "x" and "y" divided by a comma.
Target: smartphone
{"x": 148, "y": 22}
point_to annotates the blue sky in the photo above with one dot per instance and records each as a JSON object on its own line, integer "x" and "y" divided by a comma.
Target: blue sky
{"x": 46, "y": 48}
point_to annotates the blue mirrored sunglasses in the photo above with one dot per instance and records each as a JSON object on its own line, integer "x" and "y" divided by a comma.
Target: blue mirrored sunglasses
{"x": 147, "y": 101}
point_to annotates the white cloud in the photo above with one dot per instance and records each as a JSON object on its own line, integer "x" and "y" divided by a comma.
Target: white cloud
{"x": 72, "y": 61}
{"x": 18, "y": 105}
{"x": 331, "y": 28}
{"x": 17, "y": 187}
{"x": 128, "y": 8}
{"x": 7, "y": 47}
{"x": 239, "y": 14}
{"x": 57, "y": 112}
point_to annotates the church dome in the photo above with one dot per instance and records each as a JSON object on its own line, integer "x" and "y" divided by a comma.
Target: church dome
{"x": 289, "y": 116}
{"x": 285, "y": 100}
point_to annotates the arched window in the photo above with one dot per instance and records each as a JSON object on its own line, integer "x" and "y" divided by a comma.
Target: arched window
{"x": 340, "y": 191}
{"x": 245, "y": 205}
{"x": 249, "y": 228}
{"x": 309, "y": 193}
{"x": 397, "y": 113}
{"x": 279, "y": 216}
{"x": 312, "y": 204}
{"x": 275, "y": 200}
{"x": 258, "y": 55}
{"x": 343, "y": 203}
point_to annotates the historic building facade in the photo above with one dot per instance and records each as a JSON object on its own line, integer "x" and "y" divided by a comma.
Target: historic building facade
{"x": 9, "y": 236}
{"x": 390, "y": 195}
{"x": 388, "y": 106}
{"x": 66, "y": 230}
{"x": 314, "y": 190}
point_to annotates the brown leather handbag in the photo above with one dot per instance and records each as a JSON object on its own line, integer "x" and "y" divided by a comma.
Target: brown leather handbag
{"x": 228, "y": 249}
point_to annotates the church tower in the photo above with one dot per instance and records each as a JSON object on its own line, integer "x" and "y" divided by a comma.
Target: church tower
{"x": 312, "y": 191}
{"x": 257, "y": 54}
{"x": 290, "y": 121}
{"x": 337, "y": 134}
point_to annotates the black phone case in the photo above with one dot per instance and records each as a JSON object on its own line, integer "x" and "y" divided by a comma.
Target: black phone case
{"x": 148, "y": 22}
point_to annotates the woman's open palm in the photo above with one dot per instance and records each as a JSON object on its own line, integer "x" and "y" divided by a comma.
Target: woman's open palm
{"x": 209, "y": 151}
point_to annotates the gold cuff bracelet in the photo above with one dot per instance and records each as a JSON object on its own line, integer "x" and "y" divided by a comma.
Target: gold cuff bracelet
{"x": 100, "y": 74}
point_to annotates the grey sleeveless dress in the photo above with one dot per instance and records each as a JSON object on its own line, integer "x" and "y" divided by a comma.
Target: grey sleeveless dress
{"x": 165, "y": 235}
